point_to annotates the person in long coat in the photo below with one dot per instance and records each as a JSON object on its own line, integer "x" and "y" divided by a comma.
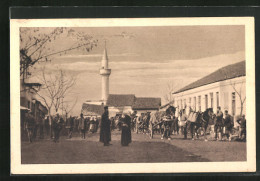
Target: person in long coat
{"x": 126, "y": 130}
{"x": 105, "y": 133}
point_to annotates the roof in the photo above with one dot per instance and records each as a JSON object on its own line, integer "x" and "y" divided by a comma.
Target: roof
{"x": 147, "y": 103}
{"x": 166, "y": 105}
{"x": 118, "y": 100}
{"x": 92, "y": 109}
{"x": 224, "y": 73}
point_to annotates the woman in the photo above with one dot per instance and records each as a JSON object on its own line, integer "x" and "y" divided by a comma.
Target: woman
{"x": 126, "y": 130}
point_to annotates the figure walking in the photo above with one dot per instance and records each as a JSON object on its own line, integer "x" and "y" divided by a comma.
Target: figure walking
{"x": 105, "y": 134}
{"x": 82, "y": 126}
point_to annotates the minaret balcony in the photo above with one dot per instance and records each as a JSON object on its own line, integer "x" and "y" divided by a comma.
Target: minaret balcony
{"x": 105, "y": 71}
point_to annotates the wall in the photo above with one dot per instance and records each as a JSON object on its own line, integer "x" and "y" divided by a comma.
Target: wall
{"x": 223, "y": 88}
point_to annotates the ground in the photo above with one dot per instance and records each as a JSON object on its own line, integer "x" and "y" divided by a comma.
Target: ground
{"x": 142, "y": 149}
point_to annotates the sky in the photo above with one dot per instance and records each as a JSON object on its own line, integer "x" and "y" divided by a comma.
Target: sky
{"x": 144, "y": 60}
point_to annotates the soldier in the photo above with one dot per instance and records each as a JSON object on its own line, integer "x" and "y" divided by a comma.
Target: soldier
{"x": 29, "y": 125}
{"x": 218, "y": 124}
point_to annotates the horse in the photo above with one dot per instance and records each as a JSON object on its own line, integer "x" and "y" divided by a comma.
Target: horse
{"x": 201, "y": 121}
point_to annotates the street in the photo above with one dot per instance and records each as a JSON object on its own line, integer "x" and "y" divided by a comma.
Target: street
{"x": 142, "y": 149}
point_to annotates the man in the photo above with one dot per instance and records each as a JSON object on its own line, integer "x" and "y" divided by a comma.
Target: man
{"x": 183, "y": 122}
{"x": 82, "y": 126}
{"x": 105, "y": 134}
{"x": 29, "y": 125}
{"x": 242, "y": 129}
{"x": 57, "y": 126}
{"x": 41, "y": 125}
{"x": 228, "y": 124}
{"x": 218, "y": 124}
{"x": 69, "y": 126}
{"x": 126, "y": 130}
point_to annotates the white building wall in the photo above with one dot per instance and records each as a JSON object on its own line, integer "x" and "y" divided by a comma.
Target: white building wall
{"x": 224, "y": 88}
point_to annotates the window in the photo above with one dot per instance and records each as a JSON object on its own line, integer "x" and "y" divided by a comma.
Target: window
{"x": 217, "y": 95}
{"x": 233, "y": 103}
{"x": 29, "y": 105}
{"x": 206, "y": 101}
{"x": 199, "y": 103}
{"x": 181, "y": 103}
{"x": 211, "y": 99}
{"x": 184, "y": 103}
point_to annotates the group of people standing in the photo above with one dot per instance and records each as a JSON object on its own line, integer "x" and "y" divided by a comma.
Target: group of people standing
{"x": 221, "y": 124}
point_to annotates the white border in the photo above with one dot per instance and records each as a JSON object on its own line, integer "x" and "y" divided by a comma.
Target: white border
{"x": 247, "y": 166}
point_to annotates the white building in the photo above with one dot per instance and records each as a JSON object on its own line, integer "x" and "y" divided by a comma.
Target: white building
{"x": 225, "y": 87}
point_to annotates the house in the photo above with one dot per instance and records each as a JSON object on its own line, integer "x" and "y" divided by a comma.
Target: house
{"x": 123, "y": 103}
{"x": 225, "y": 87}
{"x": 146, "y": 104}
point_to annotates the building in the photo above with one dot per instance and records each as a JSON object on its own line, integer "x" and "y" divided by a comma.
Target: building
{"x": 225, "y": 87}
{"x": 117, "y": 103}
{"x": 105, "y": 73}
{"x": 28, "y": 98}
{"x": 123, "y": 103}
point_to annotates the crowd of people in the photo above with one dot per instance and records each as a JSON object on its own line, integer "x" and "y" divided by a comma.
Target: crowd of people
{"x": 179, "y": 122}
{"x": 54, "y": 125}
{"x": 167, "y": 123}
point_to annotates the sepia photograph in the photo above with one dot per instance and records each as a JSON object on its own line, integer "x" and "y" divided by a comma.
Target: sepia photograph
{"x": 147, "y": 95}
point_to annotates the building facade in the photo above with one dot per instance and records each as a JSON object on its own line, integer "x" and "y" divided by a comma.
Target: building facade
{"x": 225, "y": 87}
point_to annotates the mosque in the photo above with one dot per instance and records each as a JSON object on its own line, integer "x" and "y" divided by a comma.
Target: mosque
{"x": 117, "y": 103}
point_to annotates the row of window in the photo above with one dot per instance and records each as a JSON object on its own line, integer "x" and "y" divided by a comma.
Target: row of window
{"x": 208, "y": 104}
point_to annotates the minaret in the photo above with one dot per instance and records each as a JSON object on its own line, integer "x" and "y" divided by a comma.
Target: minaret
{"x": 105, "y": 73}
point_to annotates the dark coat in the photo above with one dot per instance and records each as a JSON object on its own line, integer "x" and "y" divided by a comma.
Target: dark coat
{"x": 126, "y": 131}
{"x": 228, "y": 121}
{"x": 82, "y": 124}
{"x": 219, "y": 120}
{"x": 105, "y": 134}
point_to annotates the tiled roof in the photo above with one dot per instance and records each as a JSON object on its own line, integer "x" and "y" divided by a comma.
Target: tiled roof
{"x": 166, "y": 105}
{"x": 118, "y": 100}
{"x": 224, "y": 73}
{"x": 147, "y": 103}
{"x": 92, "y": 109}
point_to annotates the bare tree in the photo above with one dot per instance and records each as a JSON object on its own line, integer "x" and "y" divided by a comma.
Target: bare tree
{"x": 55, "y": 88}
{"x": 68, "y": 106}
{"x": 171, "y": 86}
{"x": 238, "y": 91}
{"x": 39, "y": 45}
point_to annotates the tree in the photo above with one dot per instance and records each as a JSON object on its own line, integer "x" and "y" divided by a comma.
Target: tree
{"x": 171, "y": 86}
{"x": 54, "y": 89}
{"x": 39, "y": 45}
{"x": 238, "y": 90}
{"x": 68, "y": 106}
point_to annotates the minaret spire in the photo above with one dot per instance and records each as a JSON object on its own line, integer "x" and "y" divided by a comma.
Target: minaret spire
{"x": 105, "y": 73}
